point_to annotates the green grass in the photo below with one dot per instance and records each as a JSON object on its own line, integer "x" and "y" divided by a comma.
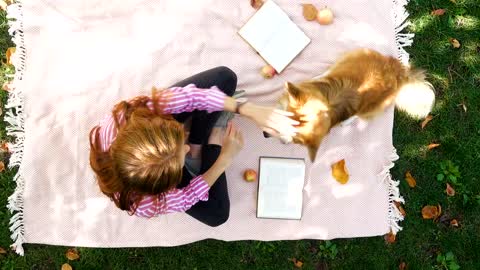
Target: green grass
{"x": 455, "y": 73}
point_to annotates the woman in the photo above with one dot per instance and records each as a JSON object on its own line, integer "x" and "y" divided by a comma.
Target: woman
{"x": 138, "y": 152}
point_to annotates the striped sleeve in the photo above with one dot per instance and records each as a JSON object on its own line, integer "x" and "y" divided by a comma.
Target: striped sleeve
{"x": 172, "y": 101}
{"x": 107, "y": 132}
{"x": 189, "y": 98}
{"x": 176, "y": 200}
{"x": 180, "y": 200}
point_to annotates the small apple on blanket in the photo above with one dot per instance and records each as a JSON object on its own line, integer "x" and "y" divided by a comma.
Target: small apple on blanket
{"x": 323, "y": 16}
{"x": 250, "y": 175}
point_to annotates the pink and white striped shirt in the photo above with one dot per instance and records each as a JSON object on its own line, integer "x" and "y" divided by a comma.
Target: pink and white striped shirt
{"x": 171, "y": 101}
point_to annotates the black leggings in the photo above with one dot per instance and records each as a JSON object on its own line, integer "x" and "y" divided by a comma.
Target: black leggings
{"x": 216, "y": 210}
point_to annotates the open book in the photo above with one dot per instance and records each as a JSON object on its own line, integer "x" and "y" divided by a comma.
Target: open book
{"x": 280, "y": 188}
{"x": 274, "y": 36}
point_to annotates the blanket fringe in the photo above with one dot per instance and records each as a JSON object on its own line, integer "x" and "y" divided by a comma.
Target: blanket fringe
{"x": 402, "y": 40}
{"x": 400, "y": 15}
{"x": 15, "y": 119}
{"x": 394, "y": 214}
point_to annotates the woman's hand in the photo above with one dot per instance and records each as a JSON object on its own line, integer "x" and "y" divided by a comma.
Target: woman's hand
{"x": 232, "y": 142}
{"x": 274, "y": 121}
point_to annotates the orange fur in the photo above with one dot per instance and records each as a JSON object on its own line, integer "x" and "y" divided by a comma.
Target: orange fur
{"x": 363, "y": 82}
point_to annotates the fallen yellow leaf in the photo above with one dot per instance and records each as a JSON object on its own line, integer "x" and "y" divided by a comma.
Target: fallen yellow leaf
{"x": 66, "y": 266}
{"x": 400, "y": 208}
{"x": 454, "y": 223}
{"x": 433, "y": 145}
{"x": 256, "y": 4}
{"x": 7, "y": 86}
{"x": 438, "y": 12}
{"x": 449, "y": 190}
{"x": 296, "y": 263}
{"x": 4, "y": 147}
{"x": 2, "y": 251}
{"x": 455, "y": 43}
{"x": 390, "y": 237}
{"x": 431, "y": 212}
{"x": 339, "y": 172}
{"x": 427, "y": 119}
{"x": 72, "y": 254}
{"x": 410, "y": 180}
{"x": 10, "y": 51}
{"x": 309, "y": 12}
{"x": 2, "y": 166}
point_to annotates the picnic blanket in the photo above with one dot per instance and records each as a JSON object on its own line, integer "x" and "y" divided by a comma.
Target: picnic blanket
{"x": 75, "y": 59}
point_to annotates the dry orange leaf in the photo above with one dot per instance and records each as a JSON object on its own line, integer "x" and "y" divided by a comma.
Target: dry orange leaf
{"x": 390, "y": 237}
{"x": 431, "y": 212}
{"x": 438, "y": 12}
{"x": 4, "y": 147}
{"x": 256, "y": 4}
{"x": 427, "y": 119}
{"x": 449, "y": 190}
{"x": 9, "y": 53}
{"x": 309, "y": 12}
{"x": 455, "y": 43}
{"x": 2, "y": 251}
{"x": 454, "y": 223}
{"x": 66, "y": 266}
{"x": 400, "y": 208}
{"x": 296, "y": 263}
{"x": 410, "y": 180}
{"x": 7, "y": 86}
{"x": 2, "y": 166}
{"x": 402, "y": 266}
{"x": 72, "y": 254}
{"x": 433, "y": 145}
{"x": 339, "y": 172}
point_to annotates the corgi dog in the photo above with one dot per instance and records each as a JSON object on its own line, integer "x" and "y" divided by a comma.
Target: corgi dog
{"x": 361, "y": 83}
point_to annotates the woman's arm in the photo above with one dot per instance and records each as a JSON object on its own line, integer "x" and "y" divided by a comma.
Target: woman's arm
{"x": 189, "y": 98}
{"x": 271, "y": 120}
{"x": 176, "y": 200}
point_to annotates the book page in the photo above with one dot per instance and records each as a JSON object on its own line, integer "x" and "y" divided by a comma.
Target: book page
{"x": 284, "y": 46}
{"x": 280, "y": 190}
{"x": 274, "y": 36}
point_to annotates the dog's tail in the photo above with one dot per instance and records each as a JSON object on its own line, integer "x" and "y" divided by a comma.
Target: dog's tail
{"x": 416, "y": 97}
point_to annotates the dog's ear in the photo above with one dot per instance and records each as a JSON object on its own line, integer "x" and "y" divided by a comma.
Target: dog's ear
{"x": 313, "y": 149}
{"x": 293, "y": 91}
{"x": 312, "y": 142}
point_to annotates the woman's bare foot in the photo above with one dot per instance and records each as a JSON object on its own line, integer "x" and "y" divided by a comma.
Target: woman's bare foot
{"x": 216, "y": 136}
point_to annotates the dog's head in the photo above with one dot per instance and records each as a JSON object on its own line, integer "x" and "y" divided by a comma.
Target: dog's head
{"x": 310, "y": 108}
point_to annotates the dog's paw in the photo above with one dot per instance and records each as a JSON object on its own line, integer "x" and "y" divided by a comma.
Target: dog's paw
{"x": 349, "y": 121}
{"x": 286, "y": 139}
